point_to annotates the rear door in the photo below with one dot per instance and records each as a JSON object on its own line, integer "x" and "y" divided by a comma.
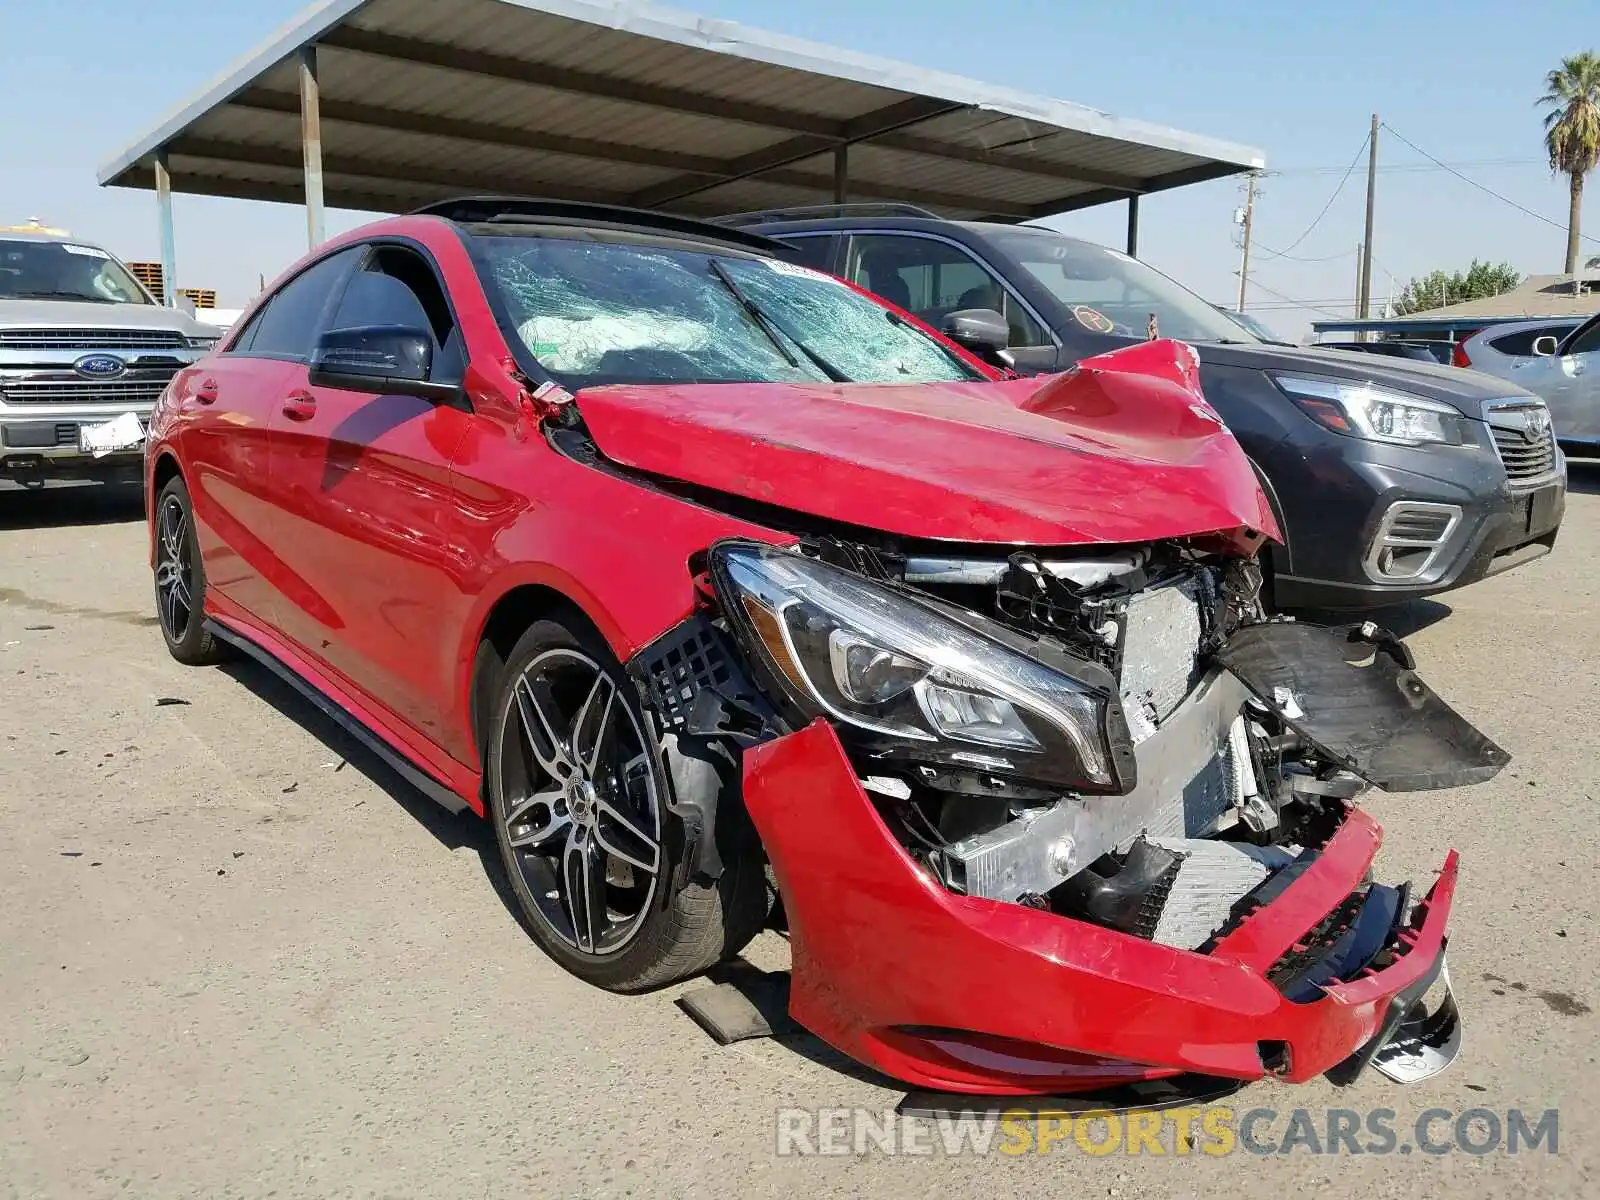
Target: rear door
{"x": 362, "y": 503}
{"x": 225, "y": 406}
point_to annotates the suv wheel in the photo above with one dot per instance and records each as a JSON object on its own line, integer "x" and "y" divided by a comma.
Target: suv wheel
{"x": 579, "y": 801}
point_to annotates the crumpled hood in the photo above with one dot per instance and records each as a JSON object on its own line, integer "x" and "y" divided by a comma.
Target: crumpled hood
{"x": 83, "y": 314}
{"x": 1123, "y": 448}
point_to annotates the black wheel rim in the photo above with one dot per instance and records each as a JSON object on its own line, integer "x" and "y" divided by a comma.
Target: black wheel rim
{"x": 580, "y": 802}
{"x": 174, "y": 569}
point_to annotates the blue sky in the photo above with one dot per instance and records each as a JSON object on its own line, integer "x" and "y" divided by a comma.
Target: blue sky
{"x": 82, "y": 78}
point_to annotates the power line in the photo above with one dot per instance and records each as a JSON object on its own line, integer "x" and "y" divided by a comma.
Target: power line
{"x": 1298, "y": 303}
{"x": 1299, "y": 259}
{"x": 1479, "y": 186}
{"x": 1318, "y": 220}
{"x": 1412, "y": 168}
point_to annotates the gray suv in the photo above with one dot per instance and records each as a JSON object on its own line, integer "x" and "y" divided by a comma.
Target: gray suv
{"x": 85, "y": 351}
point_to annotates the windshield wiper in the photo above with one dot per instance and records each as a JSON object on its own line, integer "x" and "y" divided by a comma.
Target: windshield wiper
{"x": 56, "y": 294}
{"x": 776, "y": 332}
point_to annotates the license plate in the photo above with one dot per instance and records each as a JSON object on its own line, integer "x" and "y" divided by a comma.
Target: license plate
{"x": 1543, "y": 506}
{"x": 123, "y": 433}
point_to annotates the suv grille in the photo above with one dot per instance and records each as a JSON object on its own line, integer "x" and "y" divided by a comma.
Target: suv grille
{"x": 1525, "y": 441}
{"x": 92, "y": 339}
{"x": 82, "y": 391}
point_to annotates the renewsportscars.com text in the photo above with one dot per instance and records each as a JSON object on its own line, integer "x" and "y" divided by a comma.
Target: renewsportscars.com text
{"x": 1213, "y": 1131}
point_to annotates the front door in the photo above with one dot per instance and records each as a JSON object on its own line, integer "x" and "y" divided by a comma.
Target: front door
{"x": 363, "y": 509}
{"x": 225, "y": 406}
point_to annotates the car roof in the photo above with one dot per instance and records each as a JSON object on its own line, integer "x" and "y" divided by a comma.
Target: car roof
{"x": 486, "y": 213}
{"x": 777, "y": 226}
{"x": 24, "y": 233}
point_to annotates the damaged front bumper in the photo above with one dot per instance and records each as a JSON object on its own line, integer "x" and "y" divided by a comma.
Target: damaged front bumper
{"x": 965, "y": 994}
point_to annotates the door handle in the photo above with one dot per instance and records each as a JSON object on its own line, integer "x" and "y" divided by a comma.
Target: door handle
{"x": 300, "y": 406}
{"x": 206, "y": 393}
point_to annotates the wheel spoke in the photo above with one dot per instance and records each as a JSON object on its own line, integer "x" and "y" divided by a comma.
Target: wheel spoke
{"x": 621, "y": 836}
{"x": 551, "y": 827}
{"x": 596, "y": 712}
{"x": 583, "y": 873}
{"x": 535, "y": 708}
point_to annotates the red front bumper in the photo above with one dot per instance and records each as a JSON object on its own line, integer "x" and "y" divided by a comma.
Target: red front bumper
{"x": 964, "y": 994}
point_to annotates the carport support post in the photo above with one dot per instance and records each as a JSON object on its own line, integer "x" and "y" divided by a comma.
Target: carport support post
{"x": 841, "y": 172}
{"x": 311, "y": 142}
{"x": 1133, "y": 225}
{"x": 169, "y": 243}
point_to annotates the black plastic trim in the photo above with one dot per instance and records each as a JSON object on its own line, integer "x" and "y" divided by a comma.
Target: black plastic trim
{"x": 394, "y": 758}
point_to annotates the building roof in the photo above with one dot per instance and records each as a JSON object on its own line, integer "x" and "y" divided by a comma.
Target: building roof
{"x": 622, "y": 102}
{"x": 1535, "y": 297}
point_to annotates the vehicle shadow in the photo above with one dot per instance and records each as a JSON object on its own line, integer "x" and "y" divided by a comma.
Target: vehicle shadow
{"x": 1583, "y": 476}
{"x": 80, "y": 504}
{"x": 453, "y": 831}
{"x": 1402, "y": 620}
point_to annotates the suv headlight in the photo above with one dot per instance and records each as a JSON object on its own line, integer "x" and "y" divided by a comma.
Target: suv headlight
{"x": 203, "y": 343}
{"x": 1377, "y": 414}
{"x": 904, "y": 681}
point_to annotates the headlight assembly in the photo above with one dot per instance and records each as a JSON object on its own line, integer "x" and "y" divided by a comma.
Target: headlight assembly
{"x": 904, "y": 681}
{"x": 1374, "y": 413}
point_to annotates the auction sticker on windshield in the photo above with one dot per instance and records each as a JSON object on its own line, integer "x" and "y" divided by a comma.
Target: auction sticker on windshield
{"x": 85, "y": 251}
{"x": 783, "y": 268}
{"x": 1093, "y": 319}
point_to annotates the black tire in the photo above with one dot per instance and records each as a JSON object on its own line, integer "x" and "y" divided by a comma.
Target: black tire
{"x": 591, "y": 789}
{"x": 180, "y": 581}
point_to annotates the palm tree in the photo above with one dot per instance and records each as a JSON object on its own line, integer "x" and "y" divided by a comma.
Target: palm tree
{"x": 1572, "y": 132}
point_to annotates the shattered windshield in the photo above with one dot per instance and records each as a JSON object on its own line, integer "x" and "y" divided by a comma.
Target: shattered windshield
{"x": 598, "y": 311}
{"x": 1108, "y": 292}
{"x": 59, "y": 270}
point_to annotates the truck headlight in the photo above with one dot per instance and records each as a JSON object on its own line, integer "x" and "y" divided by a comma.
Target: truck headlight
{"x": 904, "y": 681}
{"x": 1374, "y": 413}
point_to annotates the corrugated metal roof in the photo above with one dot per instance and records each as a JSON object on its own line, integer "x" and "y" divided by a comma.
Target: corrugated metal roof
{"x": 620, "y": 102}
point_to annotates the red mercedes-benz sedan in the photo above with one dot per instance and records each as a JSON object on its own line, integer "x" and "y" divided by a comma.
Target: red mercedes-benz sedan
{"x": 692, "y": 569}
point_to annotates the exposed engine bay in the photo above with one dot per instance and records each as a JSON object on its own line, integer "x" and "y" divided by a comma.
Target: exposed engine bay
{"x": 1218, "y": 775}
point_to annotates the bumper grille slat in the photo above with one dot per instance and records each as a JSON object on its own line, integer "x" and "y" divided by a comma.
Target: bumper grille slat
{"x": 114, "y": 392}
{"x": 92, "y": 339}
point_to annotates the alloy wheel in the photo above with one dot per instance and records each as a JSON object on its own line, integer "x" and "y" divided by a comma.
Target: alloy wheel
{"x": 174, "y": 569}
{"x": 581, "y": 811}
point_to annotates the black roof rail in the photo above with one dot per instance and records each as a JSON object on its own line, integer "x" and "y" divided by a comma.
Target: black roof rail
{"x": 810, "y": 212}
{"x": 485, "y": 210}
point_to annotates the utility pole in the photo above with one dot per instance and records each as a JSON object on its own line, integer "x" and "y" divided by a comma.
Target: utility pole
{"x": 1365, "y": 308}
{"x": 1249, "y": 217}
{"x": 1361, "y": 288}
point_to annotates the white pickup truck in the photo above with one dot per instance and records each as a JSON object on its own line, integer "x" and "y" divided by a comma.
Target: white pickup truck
{"x": 85, "y": 352}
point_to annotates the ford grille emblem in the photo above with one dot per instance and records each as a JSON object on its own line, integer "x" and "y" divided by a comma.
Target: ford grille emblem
{"x": 99, "y": 366}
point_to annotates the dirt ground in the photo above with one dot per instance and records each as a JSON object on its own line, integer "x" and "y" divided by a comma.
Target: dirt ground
{"x": 238, "y": 957}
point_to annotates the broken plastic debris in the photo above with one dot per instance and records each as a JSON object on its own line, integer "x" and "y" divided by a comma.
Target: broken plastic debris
{"x": 1287, "y": 703}
{"x": 165, "y": 701}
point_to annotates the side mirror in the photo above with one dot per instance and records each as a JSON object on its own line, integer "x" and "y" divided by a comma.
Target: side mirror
{"x": 982, "y": 331}
{"x": 1544, "y": 347}
{"x": 389, "y": 360}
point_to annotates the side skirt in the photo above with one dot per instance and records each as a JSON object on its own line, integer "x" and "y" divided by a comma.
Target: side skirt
{"x": 397, "y": 761}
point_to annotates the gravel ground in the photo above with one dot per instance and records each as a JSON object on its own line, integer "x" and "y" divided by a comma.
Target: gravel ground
{"x": 239, "y": 957}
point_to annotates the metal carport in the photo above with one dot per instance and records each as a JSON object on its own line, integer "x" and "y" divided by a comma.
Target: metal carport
{"x": 385, "y": 105}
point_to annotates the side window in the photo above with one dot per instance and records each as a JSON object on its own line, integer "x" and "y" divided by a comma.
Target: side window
{"x": 396, "y": 286}
{"x": 288, "y": 325}
{"x": 932, "y": 278}
{"x": 813, "y": 250}
{"x": 1520, "y": 344}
